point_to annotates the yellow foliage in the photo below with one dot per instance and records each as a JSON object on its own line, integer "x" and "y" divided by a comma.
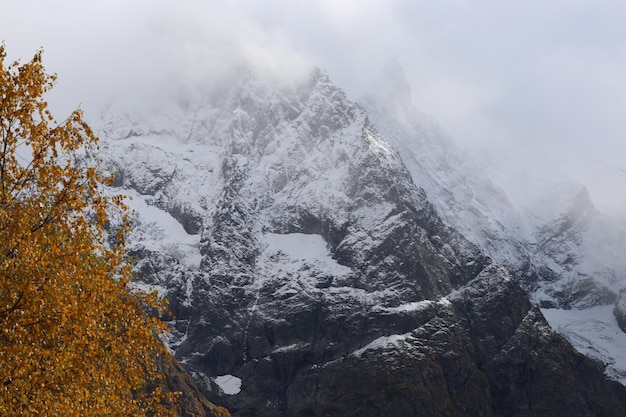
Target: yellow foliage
{"x": 74, "y": 340}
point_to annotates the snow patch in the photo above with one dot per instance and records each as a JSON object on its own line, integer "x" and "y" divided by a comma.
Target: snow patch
{"x": 594, "y": 332}
{"x": 229, "y": 384}
{"x": 418, "y": 305}
{"x": 301, "y": 248}
{"x": 444, "y": 302}
{"x": 383, "y": 342}
{"x": 415, "y": 306}
{"x": 162, "y": 232}
{"x": 298, "y": 245}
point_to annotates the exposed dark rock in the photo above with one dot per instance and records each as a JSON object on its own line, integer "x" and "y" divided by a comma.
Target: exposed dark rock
{"x": 486, "y": 352}
{"x": 531, "y": 369}
{"x": 187, "y": 217}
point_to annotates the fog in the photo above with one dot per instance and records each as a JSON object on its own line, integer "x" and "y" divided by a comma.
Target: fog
{"x": 140, "y": 52}
{"x": 533, "y": 86}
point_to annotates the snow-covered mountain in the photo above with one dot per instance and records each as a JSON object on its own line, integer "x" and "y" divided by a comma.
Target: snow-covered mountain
{"x": 569, "y": 256}
{"x": 325, "y": 259}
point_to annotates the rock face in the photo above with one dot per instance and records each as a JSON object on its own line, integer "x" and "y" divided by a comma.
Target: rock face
{"x": 299, "y": 255}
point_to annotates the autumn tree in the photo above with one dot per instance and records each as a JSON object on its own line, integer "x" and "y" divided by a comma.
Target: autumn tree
{"x": 74, "y": 339}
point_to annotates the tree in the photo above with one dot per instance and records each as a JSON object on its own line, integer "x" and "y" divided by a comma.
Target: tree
{"x": 74, "y": 339}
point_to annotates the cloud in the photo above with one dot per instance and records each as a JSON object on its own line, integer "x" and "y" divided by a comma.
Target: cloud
{"x": 516, "y": 80}
{"x": 139, "y": 52}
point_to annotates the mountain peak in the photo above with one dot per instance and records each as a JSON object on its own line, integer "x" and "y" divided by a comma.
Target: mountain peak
{"x": 296, "y": 248}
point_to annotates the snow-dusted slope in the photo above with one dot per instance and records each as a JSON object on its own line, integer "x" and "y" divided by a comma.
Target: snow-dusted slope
{"x": 454, "y": 180}
{"x": 297, "y": 251}
{"x": 548, "y": 232}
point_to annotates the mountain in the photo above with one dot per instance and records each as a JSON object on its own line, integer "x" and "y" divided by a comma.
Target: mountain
{"x": 312, "y": 272}
{"x": 568, "y": 255}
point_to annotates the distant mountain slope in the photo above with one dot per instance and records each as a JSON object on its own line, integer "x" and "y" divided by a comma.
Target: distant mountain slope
{"x": 566, "y": 253}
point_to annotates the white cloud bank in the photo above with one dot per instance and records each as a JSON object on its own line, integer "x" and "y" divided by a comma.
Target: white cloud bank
{"x": 526, "y": 81}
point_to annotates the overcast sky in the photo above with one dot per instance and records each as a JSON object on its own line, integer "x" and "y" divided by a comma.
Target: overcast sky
{"x": 535, "y": 77}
